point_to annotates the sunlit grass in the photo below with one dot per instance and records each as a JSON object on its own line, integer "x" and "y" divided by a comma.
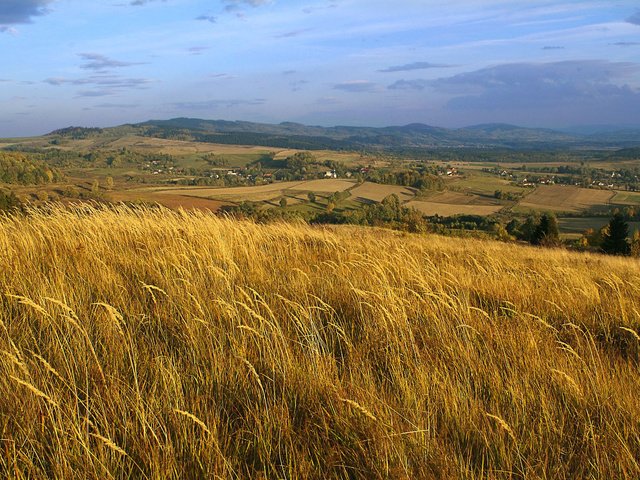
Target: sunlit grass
{"x": 155, "y": 344}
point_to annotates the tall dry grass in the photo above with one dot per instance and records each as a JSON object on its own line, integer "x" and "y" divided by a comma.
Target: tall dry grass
{"x": 156, "y": 344}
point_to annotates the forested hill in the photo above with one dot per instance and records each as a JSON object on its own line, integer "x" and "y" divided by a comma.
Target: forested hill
{"x": 413, "y": 136}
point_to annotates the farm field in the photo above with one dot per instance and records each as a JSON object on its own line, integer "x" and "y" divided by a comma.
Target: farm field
{"x": 484, "y": 184}
{"x": 254, "y": 193}
{"x": 168, "y": 200}
{"x": 431, "y": 208}
{"x": 559, "y": 198}
{"x": 324, "y": 185}
{"x": 580, "y": 224}
{"x": 375, "y": 192}
{"x": 626, "y": 198}
{"x": 261, "y": 193}
{"x": 458, "y": 198}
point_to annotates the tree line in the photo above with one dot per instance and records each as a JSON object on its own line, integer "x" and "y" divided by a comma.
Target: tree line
{"x": 17, "y": 168}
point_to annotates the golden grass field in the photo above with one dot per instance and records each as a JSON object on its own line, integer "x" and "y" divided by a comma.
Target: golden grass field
{"x": 562, "y": 198}
{"x": 158, "y": 344}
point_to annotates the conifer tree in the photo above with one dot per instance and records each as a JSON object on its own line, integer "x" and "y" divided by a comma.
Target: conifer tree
{"x": 615, "y": 241}
{"x": 547, "y": 231}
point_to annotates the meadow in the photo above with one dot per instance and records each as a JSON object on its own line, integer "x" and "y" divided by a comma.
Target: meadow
{"x": 148, "y": 343}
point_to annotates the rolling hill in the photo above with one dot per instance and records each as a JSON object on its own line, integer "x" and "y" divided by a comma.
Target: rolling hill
{"x": 394, "y": 138}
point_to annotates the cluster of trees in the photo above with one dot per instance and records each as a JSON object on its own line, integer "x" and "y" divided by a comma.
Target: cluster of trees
{"x": 462, "y": 222}
{"x": 58, "y": 158}
{"x": 502, "y": 195}
{"x": 389, "y": 213}
{"x": 303, "y": 165}
{"x": 537, "y": 230}
{"x": 19, "y": 168}
{"x": 77, "y": 133}
{"x": 420, "y": 179}
{"x": 9, "y": 201}
{"x": 299, "y": 160}
{"x": 613, "y": 238}
{"x": 541, "y": 230}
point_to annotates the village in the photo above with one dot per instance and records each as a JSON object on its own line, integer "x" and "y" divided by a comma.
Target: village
{"x": 599, "y": 178}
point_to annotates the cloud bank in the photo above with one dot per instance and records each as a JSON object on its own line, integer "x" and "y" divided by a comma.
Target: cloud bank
{"x": 413, "y": 66}
{"x": 418, "y": 84}
{"x": 21, "y": 11}
{"x": 635, "y": 18}
{"x": 98, "y": 62}
{"x": 355, "y": 86}
{"x": 576, "y": 89}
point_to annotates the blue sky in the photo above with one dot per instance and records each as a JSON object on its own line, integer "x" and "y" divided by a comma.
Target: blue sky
{"x": 323, "y": 62}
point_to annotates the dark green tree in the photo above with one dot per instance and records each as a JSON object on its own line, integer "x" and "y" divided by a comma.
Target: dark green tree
{"x": 528, "y": 228}
{"x": 513, "y": 227}
{"x": 547, "y": 231}
{"x": 615, "y": 241}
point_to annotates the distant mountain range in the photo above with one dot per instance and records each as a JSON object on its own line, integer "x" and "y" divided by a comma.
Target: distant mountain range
{"x": 402, "y": 138}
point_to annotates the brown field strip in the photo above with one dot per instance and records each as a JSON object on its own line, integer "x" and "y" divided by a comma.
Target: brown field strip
{"x": 261, "y": 193}
{"x": 168, "y": 200}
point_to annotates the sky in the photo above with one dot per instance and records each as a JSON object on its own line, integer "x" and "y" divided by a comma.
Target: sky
{"x": 447, "y": 63}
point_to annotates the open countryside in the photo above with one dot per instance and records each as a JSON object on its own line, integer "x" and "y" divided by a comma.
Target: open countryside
{"x": 320, "y": 240}
{"x": 194, "y": 174}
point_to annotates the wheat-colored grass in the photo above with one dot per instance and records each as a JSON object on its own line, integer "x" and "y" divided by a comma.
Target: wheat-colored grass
{"x": 158, "y": 344}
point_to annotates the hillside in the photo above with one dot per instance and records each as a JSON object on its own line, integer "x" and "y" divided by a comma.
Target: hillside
{"x": 393, "y": 138}
{"x": 158, "y": 344}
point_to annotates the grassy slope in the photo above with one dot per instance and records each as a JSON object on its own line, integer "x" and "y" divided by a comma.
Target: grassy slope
{"x": 158, "y": 344}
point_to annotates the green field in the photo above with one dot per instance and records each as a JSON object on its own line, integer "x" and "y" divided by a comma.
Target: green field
{"x": 485, "y": 184}
{"x": 580, "y": 224}
{"x": 626, "y": 198}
